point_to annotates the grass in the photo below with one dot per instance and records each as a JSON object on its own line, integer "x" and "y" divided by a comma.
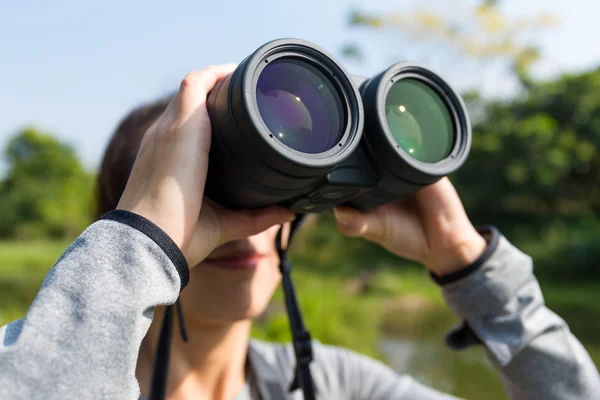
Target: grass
{"x": 23, "y": 266}
{"x": 34, "y": 259}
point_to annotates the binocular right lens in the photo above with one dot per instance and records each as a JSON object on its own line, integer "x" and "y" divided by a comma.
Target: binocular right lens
{"x": 419, "y": 120}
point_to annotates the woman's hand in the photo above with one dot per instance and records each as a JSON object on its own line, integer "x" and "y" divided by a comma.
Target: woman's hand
{"x": 431, "y": 228}
{"x": 166, "y": 184}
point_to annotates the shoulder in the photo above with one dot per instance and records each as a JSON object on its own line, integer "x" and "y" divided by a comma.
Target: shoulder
{"x": 281, "y": 355}
{"x": 275, "y": 364}
{"x": 337, "y": 372}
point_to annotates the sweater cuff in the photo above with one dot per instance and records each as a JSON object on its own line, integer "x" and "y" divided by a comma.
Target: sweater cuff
{"x": 491, "y": 236}
{"x": 159, "y": 236}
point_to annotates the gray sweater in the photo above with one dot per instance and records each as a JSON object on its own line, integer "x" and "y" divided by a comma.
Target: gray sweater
{"x": 81, "y": 336}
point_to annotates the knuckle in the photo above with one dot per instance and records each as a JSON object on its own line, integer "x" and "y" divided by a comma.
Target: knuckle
{"x": 191, "y": 79}
{"x": 188, "y": 81}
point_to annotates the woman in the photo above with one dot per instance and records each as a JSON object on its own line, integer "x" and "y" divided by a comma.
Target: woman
{"x": 89, "y": 333}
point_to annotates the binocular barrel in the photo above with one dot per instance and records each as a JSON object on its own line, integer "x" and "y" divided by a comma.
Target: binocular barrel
{"x": 290, "y": 126}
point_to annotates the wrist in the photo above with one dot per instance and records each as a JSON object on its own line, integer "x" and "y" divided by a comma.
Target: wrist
{"x": 155, "y": 233}
{"x": 492, "y": 239}
{"x": 165, "y": 224}
{"x": 458, "y": 256}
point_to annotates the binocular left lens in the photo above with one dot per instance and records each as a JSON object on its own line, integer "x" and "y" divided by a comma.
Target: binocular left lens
{"x": 300, "y": 106}
{"x": 289, "y": 128}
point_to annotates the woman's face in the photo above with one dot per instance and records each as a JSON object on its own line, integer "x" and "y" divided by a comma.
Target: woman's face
{"x": 235, "y": 282}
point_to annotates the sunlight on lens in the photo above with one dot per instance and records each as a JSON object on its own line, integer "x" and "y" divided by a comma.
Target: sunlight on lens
{"x": 280, "y": 134}
{"x": 419, "y": 120}
{"x": 283, "y": 110}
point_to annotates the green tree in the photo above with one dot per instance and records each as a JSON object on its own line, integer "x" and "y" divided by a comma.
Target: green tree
{"x": 46, "y": 192}
{"x": 534, "y": 170}
{"x": 537, "y": 155}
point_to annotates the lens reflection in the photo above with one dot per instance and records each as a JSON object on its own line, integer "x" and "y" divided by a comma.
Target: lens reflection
{"x": 300, "y": 106}
{"x": 419, "y": 120}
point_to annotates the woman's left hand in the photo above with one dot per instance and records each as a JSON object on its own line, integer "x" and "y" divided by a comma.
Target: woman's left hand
{"x": 432, "y": 228}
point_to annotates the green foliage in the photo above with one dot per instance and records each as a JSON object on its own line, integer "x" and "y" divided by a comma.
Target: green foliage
{"x": 537, "y": 155}
{"x": 29, "y": 259}
{"x": 46, "y": 192}
{"x": 23, "y": 266}
{"x": 334, "y": 315}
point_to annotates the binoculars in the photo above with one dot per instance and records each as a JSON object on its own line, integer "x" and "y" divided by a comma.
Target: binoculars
{"x": 291, "y": 127}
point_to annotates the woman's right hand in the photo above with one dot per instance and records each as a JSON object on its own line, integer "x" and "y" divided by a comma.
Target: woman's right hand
{"x": 166, "y": 184}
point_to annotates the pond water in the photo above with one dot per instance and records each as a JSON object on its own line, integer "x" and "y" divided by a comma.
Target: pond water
{"x": 467, "y": 374}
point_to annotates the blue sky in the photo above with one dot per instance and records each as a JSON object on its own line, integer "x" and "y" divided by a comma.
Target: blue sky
{"x": 74, "y": 68}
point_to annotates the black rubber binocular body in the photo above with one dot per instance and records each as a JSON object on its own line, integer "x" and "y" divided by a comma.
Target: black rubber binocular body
{"x": 290, "y": 126}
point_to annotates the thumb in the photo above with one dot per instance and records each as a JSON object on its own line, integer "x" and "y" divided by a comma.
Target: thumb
{"x": 351, "y": 222}
{"x": 237, "y": 225}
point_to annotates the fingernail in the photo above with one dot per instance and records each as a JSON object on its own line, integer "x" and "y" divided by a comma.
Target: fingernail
{"x": 344, "y": 216}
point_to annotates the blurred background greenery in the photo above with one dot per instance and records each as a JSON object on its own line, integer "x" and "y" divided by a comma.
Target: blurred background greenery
{"x": 533, "y": 171}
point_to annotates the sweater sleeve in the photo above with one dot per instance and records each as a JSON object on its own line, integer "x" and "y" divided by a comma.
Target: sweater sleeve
{"x": 81, "y": 335}
{"x": 502, "y": 307}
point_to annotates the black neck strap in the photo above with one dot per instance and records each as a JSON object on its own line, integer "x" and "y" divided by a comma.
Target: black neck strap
{"x": 160, "y": 369}
{"x": 300, "y": 336}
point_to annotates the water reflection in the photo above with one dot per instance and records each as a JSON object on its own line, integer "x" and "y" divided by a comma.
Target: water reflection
{"x": 468, "y": 374}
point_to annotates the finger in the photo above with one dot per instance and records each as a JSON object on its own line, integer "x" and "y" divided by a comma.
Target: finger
{"x": 241, "y": 224}
{"x": 380, "y": 224}
{"x": 393, "y": 226}
{"x": 353, "y": 223}
{"x": 440, "y": 204}
{"x": 196, "y": 85}
{"x": 439, "y": 196}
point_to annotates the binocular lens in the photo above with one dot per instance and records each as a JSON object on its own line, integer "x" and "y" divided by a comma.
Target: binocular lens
{"x": 300, "y": 106}
{"x": 419, "y": 120}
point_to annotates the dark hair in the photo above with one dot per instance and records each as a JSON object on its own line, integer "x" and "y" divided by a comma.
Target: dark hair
{"x": 121, "y": 152}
